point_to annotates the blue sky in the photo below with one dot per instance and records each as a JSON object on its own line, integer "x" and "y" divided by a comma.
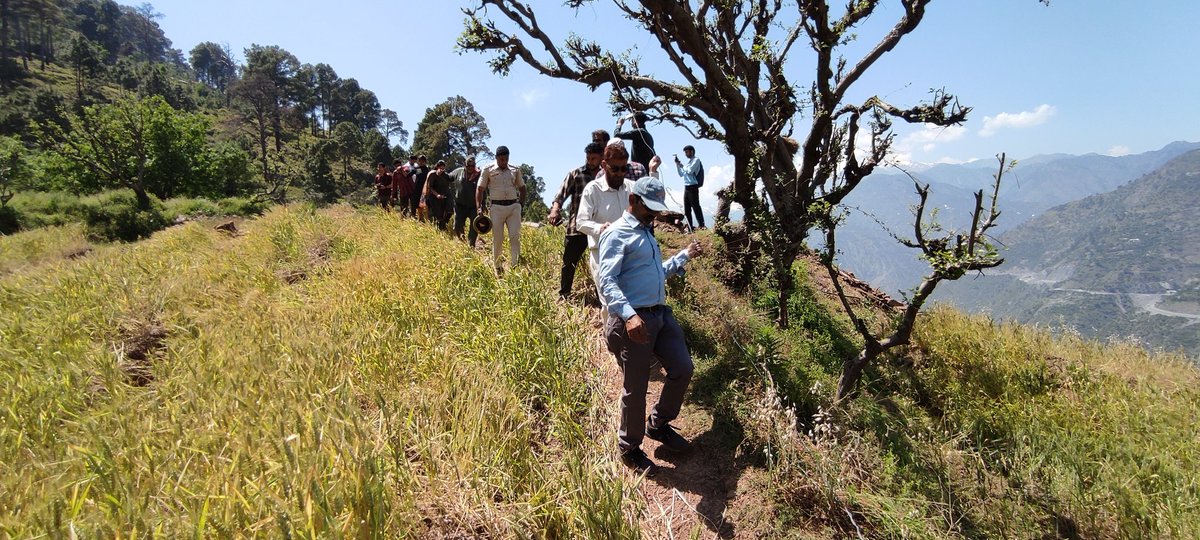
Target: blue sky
{"x": 1076, "y": 77}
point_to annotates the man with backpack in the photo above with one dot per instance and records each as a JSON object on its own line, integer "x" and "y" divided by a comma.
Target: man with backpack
{"x": 692, "y": 173}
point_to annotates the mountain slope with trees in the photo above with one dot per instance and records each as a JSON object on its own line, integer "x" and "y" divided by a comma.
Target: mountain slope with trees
{"x": 94, "y": 97}
{"x": 883, "y": 203}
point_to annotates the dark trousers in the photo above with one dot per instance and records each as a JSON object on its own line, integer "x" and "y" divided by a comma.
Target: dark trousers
{"x": 574, "y": 247}
{"x": 464, "y": 214}
{"x": 636, "y": 360}
{"x": 407, "y": 204}
{"x": 439, "y": 211}
{"x": 691, "y": 202}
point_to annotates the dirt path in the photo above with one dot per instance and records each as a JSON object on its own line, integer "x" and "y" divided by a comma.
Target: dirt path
{"x": 709, "y": 492}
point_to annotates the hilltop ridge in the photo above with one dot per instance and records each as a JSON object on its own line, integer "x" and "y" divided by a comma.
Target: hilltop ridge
{"x": 338, "y": 371}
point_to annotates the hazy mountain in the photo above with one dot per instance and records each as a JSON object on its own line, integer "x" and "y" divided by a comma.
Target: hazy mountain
{"x": 1124, "y": 263}
{"x": 1142, "y": 238}
{"x": 1035, "y": 185}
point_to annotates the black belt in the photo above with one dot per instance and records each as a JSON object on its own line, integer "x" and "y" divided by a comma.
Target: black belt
{"x": 651, "y": 309}
{"x": 503, "y": 202}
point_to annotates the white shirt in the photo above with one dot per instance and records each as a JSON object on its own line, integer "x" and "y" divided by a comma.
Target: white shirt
{"x": 600, "y": 205}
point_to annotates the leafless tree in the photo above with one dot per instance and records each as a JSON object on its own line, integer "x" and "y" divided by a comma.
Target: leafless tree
{"x": 950, "y": 255}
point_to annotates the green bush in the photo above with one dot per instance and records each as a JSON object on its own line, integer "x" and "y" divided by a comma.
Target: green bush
{"x": 241, "y": 206}
{"x": 115, "y": 215}
{"x": 46, "y": 208}
{"x": 10, "y": 220}
{"x": 181, "y": 206}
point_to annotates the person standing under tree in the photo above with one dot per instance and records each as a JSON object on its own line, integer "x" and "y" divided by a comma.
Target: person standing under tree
{"x": 692, "y": 173}
{"x": 642, "y": 141}
{"x": 576, "y": 242}
{"x": 504, "y": 187}
{"x": 641, "y": 330}
{"x": 466, "y": 179}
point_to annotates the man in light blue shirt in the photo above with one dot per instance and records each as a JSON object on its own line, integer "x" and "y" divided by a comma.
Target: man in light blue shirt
{"x": 691, "y": 173}
{"x": 633, "y": 278}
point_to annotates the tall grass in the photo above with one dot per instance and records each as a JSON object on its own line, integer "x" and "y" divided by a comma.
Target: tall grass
{"x": 340, "y": 373}
{"x": 325, "y": 374}
{"x": 980, "y": 430}
{"x": 40, "y": 246}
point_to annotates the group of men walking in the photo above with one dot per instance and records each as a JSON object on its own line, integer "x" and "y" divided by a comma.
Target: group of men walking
{"x": 436, "y": 196}
{"x": 608, "y": 207}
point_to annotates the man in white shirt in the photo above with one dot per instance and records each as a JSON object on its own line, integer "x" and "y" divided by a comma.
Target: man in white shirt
{"x": 604, "y": 200}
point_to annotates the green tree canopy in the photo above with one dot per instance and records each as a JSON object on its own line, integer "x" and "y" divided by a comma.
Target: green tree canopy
{"x": 452, "y": 130}
{"x": 141, "y": 144}
{"x": 213, "y": 65}
{"x": 533, "y": 207}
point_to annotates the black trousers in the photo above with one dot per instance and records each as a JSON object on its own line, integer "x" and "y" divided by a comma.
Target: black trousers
{"x": 574, "y": 247}
{"x": 691, "y": 202}
{"x": 464, "y": 215}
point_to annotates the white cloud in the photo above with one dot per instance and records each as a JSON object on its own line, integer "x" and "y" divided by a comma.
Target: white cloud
{"x": 1024, "y": 119}
{"x": 532, "y": 97}
{"x": 1118, "y": 151}
{"x": 947, "y": 160}
{"x": 926, "y": 139}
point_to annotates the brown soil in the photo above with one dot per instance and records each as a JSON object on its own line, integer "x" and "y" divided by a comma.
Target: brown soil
{"x": 141, "y": 344}
{"x": 711, "y": 491}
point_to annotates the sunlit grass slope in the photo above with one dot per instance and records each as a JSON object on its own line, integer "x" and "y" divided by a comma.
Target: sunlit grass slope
{"x": 325, "y": 373}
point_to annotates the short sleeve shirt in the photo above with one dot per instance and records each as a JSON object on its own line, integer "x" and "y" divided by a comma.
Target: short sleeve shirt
{"x": 502, "y": 184}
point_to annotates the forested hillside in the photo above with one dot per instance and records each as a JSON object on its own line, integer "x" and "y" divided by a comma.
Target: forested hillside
{"x": 94, "y": 98}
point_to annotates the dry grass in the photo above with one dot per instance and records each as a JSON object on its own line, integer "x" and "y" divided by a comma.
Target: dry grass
{"x": 400, "y": 389}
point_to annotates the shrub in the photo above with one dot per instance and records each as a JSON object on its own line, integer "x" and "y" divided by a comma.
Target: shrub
{"x": 46, "y": 208}
{"x": 241, "y": 206}
{"x": 115, "y": 215}
{"x": 10, "y": 220}
{"x": 182, "y": 206}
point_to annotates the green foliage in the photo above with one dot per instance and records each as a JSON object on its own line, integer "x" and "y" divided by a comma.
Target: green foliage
{"x": 241, "y": 206}
{"x": 43, "y": 209}
{"x": 321, "y": 184}
{"x": 23, "y": 106}
{"x": 213, "y": 64}
{"x": 452, "y": 130}
{"x": 533, "y": 207}
{"x": 118, "y": 215}
{"x": 187, "y": 207}
{"x": 145, "y": 145}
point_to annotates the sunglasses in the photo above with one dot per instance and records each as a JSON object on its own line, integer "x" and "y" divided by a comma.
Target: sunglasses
{"x": 619, "y": 168}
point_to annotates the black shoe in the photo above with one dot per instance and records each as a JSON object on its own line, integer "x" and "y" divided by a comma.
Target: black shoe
{"x": 636, "y": 459}
{"x": 666, "y": 435}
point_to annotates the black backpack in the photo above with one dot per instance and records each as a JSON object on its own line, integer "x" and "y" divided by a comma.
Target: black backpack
{"x": 700, "y": 175}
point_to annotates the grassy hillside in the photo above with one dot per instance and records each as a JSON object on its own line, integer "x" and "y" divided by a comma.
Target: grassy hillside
{"x": 327, "y": 374}
{"x": 337, "y": 372}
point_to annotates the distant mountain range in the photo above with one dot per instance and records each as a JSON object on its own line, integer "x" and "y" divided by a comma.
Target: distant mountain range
{"x": 882, "y": 203}
{"x": 1119, "y": 264}
{"x": 1109, "y": 246}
